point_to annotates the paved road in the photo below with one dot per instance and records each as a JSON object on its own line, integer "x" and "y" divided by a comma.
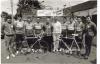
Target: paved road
{"x": 46, "y": 58}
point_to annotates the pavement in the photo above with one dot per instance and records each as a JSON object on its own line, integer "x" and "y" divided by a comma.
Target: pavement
{"x": 47, "y": 58}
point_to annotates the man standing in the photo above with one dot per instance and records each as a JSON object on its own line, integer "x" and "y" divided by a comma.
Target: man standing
{"x": 8, "y": 30}
{"x": 90, "y": 31}
{"x": 38, "y": 30}
{"x": 71, "y": 27}
{"x": 56, "y": 34}
{"x": 63, "y": 34}
{"x": 48, "y": 34}
{"x": 20, "y": 31}
{"x": 79, "y": 29}
{"x": 29, "y": 32}
{"x": 3, "y": 20}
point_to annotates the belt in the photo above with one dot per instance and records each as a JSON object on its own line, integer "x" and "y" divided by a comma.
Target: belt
{"x": 10, "y": 35}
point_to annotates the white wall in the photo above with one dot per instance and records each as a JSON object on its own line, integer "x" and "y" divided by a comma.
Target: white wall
{"x": 86, "y": 12}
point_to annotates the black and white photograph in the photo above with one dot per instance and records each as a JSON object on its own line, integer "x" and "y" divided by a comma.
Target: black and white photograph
{"x": 48, "y": 31}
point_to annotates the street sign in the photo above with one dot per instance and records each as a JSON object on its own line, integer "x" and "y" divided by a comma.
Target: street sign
{"x": 49, "y": 12}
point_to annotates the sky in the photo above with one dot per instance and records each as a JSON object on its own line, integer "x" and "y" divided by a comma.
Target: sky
{"x": 6, "y": 6}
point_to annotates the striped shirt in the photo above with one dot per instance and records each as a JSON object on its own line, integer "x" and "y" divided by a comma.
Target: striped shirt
{"x": 19, "y": 27}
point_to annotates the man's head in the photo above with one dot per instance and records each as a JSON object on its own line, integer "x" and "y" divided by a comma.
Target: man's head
{"x": 48, "y": 19}
{"x": 88, "y": 18}
{"x": 71, "y": 20}
{"x": 9, "y": 19}
{"x": 29, "y": 19}
{"x": 38, "y": 19}
{"x": 79, "y": 19}
{"x": 19, "y": 17}
{"x": 4, "y": 16}
{"x": 55, "y": 20}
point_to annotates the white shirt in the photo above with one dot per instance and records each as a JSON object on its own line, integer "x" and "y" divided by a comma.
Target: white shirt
{"x": 79, "y": 26}
{"x": 57, "y": 27}
{"x": 71, "y": 26}
{"x": 29, "y": 25}
{"x": 20, "y": 24}
{"x": 20, "y": 27}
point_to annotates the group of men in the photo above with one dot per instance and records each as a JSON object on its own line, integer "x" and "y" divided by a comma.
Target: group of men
{"x": 15, "y": 32}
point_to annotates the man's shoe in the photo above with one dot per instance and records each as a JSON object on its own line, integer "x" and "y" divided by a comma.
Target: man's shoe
{"x": 57, "y": 50}
{"x": 66, "y": 51}
{"x": 40, "y": 50}
{"x": 54, "y": 50}
{"x": 12, "y": 55}
{"x": 17, "y": 52}
{"x": 60, "y": 50}
{"x": 36, "y": 51}
{"x": 85, "y": 57}
{"x": 8, "y": 57}
{"x": 70, "y": 52}
{"x": 33, "y": 50}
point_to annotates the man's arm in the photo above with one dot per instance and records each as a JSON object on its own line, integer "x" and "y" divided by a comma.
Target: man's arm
{"x": 24, "y": 27}
{"x": 60, "y": 28}
{"x": 94, "y": 28}
{"x": 94, "y": 25}
{"x": 34, "y": 29}
{"x": 44, "y": 28}
{"x": 2, "y": 28}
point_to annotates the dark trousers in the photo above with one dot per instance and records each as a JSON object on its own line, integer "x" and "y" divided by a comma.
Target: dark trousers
{"x": 64, "y": 33}
{"x": 30, "y": 41}
{"x": 19, "y": 39}
{"x": 88, "y": 43}
{"x": 49, "y": 40}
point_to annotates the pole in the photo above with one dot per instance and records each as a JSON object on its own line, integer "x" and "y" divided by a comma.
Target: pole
{"x": 11, "y": 1}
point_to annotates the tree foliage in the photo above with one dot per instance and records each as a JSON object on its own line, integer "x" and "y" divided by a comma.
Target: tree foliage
{"x": 27, "y": 5}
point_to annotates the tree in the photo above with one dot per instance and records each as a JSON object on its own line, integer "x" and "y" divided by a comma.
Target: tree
{"x": 27, "y": 5}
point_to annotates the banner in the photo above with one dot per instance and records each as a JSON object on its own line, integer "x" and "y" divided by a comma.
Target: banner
{"x": 49, "y": 12}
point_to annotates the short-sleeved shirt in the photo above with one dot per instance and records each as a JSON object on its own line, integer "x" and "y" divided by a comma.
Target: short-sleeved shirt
{"x": 29, "y": 28}
{"x": 57, "y": 27}
{"x": 64, "y": 26}
{"x": 19, "y": 27}
{"x": 38, "y": 28}
{"x": 79, "y": 26}
{"x": 71, "y": 26}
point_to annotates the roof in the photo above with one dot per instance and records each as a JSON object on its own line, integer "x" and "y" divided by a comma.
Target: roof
{"x": 83, "y": 6}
